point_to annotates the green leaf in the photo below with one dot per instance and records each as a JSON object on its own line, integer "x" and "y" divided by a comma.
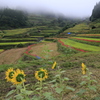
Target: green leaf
{"x": 45, "y": 87}
{"x": 85, "y": 76}
{"x": 62, "y": 71}
{"x": 70, "y": 88}
{"x": 10, "y": 92}
{"x": 90, "y": 73}
{"x": 38, "y": 88}
{"x": 81, "y": 92}
{"x": 35, "y": 98}
{"x": 19, "y": 86}
{"x": 47, "y": 94}
{"x": 83, "y": 83}
{"x": 94, "y": 81}
{"x": 52, "y": 81}
{"x": 19, "y": 97}
{"x": 57, "y": 75}
{"x": 28, "y": 92}
{"x": 59, "y": 90}
{"x": 66, "y": 79}
{"x": 96, "y": 98}
{"x": 92, "y": 88}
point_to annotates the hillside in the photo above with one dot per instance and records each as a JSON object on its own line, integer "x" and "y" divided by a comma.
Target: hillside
{"x": 68, "y": 52}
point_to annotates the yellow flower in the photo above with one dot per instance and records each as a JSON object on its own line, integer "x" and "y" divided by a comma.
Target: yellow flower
{"x": 18, "y": 77}
{"x": 41, "y": 74}
{"x": 9, "y": 74}
{"x": 54, "y": 65}
{"x": 83, "y": 68}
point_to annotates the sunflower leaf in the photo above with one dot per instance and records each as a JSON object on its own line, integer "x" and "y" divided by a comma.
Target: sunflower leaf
{"x": 47, "y": 94}
{"x": 10, "y": 92}
{"x": 83, "y": 83}
{"x": 19, "y": 97}
{"x": 92, "y": 88}
{"x": 70, "y": 88}
{"x": 81, "y": 92}
{"x": 66, "y": 79}
{"x": 38, "y": 88}
{"x": 35, "y": 98}
{"x": 59, "y": 90}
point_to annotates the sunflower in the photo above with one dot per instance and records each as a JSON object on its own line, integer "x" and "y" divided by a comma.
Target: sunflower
{"x": 18, "y": 77}
{"x": 41, "y": 74}
{"x": 83, "y": 68}
{"x": 54, "y": 65}
{"x": 9, "y": 74}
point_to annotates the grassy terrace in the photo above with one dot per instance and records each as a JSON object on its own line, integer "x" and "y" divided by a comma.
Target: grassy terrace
{"x": 1, "y": 50}
{"x": 12, "y": 43}
{"x": 80, "y": 45}
{"x": 88, "y": 35}
{"x": 87, "y": 38}
{"x": 16, "y": 31}
{"x": 18, "y": 39}
{"x": 78, "y": 28}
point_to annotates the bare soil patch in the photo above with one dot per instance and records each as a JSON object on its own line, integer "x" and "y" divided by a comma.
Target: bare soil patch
{"x": 11, "y": 56}
{"x": 45, "y": 50}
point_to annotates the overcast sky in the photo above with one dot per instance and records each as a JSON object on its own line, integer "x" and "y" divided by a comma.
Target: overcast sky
{"x": 74, "y": 8}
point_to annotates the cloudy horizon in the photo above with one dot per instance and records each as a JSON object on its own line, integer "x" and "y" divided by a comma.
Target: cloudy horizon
{"x": 72, "y": 8}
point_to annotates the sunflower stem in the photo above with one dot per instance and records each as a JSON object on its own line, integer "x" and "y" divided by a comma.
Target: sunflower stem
{"x": 24, "y": 86}
{"x": 41, "y": 86}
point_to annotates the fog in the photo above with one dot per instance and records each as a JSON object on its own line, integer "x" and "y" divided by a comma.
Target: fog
{"x": 71, "y": 8}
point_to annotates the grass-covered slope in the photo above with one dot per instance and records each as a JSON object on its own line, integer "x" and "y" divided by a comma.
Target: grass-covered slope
{"x": 80, "y": 28}
{"x": 70, "y": 65}
{"x": 80, "y": 45}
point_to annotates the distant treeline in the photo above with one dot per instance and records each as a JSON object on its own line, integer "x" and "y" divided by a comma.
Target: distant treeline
{"x": 95, "y": 12}
{"x": 10, "y": 18}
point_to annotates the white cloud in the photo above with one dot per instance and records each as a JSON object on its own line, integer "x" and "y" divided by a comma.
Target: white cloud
{"x": 79, "y": 8}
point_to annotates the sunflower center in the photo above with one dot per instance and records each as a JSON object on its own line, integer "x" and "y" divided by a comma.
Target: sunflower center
{"x": 41, "y": 74}
{"x": 20, "y": 77}
{"x": 11, "y": 75}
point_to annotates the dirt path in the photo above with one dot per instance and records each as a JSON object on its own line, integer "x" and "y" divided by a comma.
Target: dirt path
{"x": 11, "y": 56}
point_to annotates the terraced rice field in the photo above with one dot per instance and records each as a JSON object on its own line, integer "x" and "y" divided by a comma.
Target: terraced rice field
{"x": 80, "y": 45}
{"x": 16, "y": 31}
{"x": 13, "y": 43}
{"x": 78, "y": 28}
{"x": 96, "y": 39}
{"x": 1, "y": 50}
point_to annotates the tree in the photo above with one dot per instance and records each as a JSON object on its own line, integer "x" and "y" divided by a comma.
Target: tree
{"x": 95, "y": 12}
{"x": 10, "y": 18}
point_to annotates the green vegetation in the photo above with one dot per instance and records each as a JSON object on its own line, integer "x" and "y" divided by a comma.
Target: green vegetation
{"x": 64, "y": 77}
{"x": 95, "y": 12}
{"x": 80, "y": 45}
{"x": 86, "y": 41}
{"x": 1, "y": 50}
{"x": 80, "y": 28}
{"x": 16, "y": 31}
{"x": 12, "y": 43}
{"x": 87, "y": 38}
{"x": 10, "y": 18}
